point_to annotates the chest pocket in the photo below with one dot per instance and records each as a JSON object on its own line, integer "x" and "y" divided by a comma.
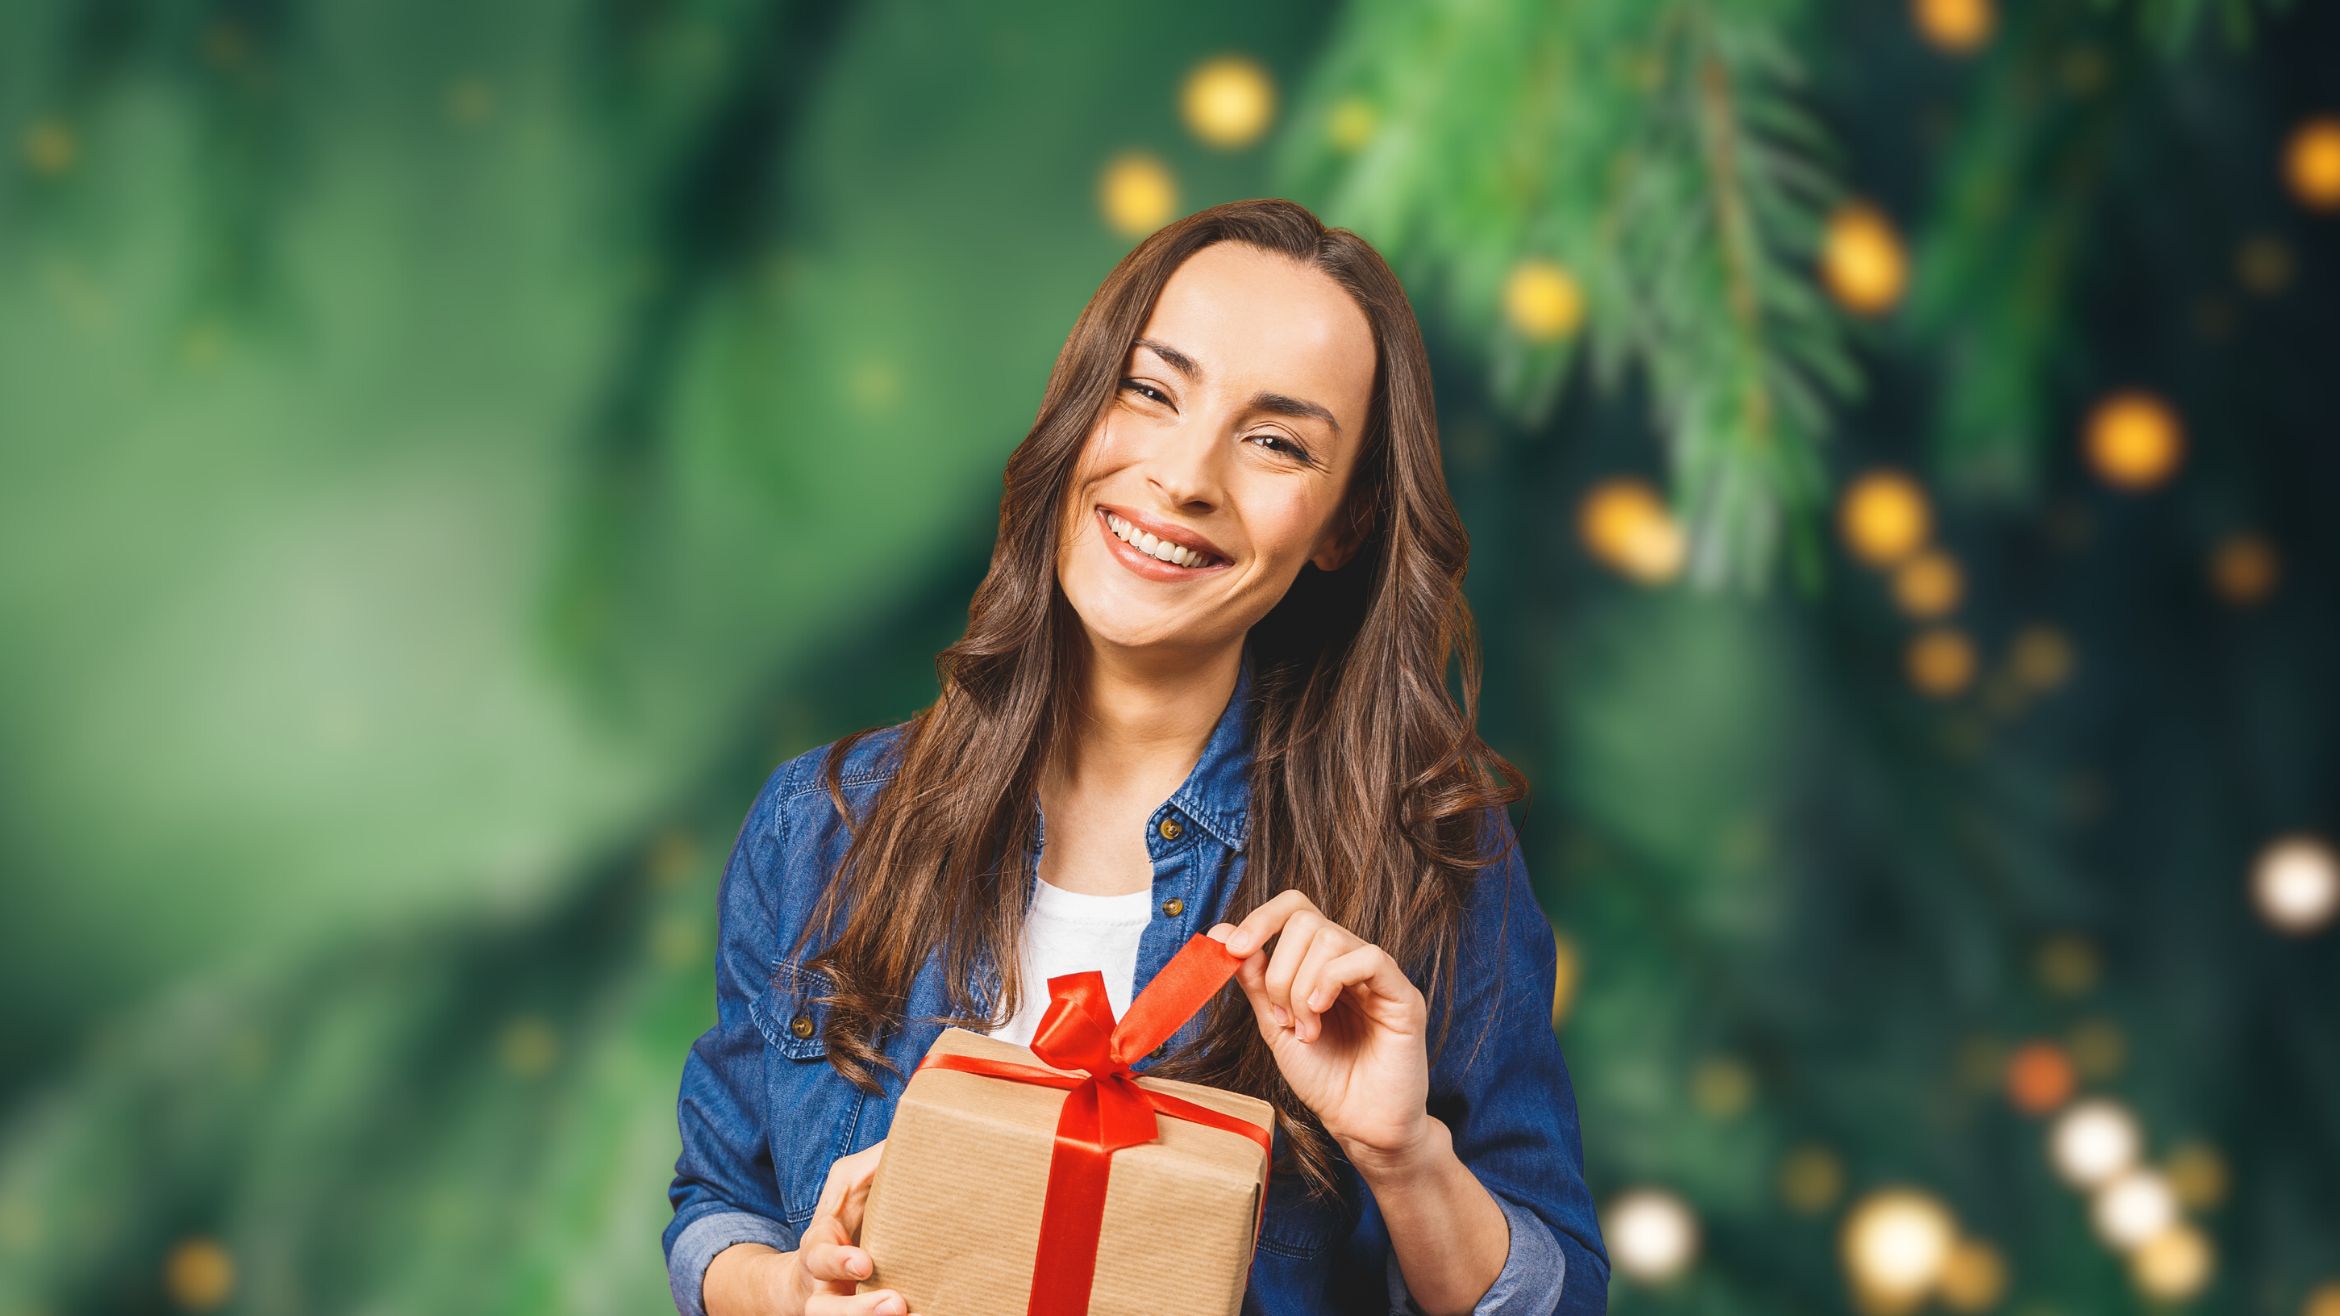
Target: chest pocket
{"x": 1299, "y": 1228}
{"x": 812, "y": 1108}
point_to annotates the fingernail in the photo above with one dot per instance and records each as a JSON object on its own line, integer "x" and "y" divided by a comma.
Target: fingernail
{"x": 1316, "y": 1000}
{"x": 891, "y": 1307}
{"x": 858, "y": 1265}
{"x": 1240, "y": 943}
{"x": 1282, "y": 1019}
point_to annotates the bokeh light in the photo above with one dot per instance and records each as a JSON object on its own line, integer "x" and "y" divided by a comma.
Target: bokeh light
{"x": 1228, "y": 101}
{"x": 1652, "y": 1235}
{"x": 2092, "y": 1142}
{"x": 1895, "y": 1243}
{"x": 2296, "y": 884}
{"x": 1884, "y": 517}
{"x": 2134, "y": 441}
{"x": 2311, "y": 163}
{"x": 1543, "y": 301}
{"x": 1625, "y": 524}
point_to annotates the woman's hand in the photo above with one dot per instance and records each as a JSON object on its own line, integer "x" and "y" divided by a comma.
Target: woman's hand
{"x": 820, "y": 1276}
{"x": 1345, "y": 1025}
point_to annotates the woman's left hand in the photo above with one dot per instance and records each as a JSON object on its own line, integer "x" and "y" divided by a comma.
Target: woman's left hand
{"x": 1346, "y": 1026}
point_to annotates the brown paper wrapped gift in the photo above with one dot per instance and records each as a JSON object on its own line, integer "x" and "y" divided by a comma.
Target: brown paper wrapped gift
{"x": 953, "y": 1219}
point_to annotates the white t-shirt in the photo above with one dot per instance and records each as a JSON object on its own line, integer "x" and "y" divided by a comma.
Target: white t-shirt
{"x": 1066, "y": 932}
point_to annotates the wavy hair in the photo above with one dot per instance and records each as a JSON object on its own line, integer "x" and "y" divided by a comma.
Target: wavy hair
{"x": 1367, "y": 781}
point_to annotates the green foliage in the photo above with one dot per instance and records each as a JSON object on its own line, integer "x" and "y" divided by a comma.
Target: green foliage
{"x": 1662, "y": 155}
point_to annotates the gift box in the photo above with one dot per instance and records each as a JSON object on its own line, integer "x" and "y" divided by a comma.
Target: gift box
{"x": 1051, "y": 1179}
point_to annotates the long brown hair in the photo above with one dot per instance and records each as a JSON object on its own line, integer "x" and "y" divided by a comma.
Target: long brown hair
{"x": 1366, "y": 779}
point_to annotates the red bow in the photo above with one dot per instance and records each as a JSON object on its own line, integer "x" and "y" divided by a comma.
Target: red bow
{"x": 1106, "y": 1111}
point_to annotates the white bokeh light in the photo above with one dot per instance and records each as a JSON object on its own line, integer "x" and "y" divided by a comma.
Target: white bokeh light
{"x": 1652, "y": 1235}
{"x": 2296, "y": 884}
{"x": 1896, "y": 1242}
{"x": 2093, "y": 1141}
{"x": 2133, "y": 1208}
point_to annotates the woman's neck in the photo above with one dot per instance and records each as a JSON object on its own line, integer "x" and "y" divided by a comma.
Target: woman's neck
{"x": 1140, "y": 725}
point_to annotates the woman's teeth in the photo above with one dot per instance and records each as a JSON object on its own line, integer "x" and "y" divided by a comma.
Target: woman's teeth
{"x": 1161, "y": 549}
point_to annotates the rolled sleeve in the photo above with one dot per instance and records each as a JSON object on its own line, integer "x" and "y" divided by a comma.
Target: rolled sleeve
{"x": 724, "y": 1189}
{"x": 1500, "y": 1084}
{"x": 698, "y": 1242}
{"x": 1532, "y": 1275}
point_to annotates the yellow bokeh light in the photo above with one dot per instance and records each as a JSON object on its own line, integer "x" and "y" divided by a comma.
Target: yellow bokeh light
{"x": 874, "y": 385}
{"x": 2174, "y": 1265}
{"x": 528, "y": 1046}
{"x": 1956, "y": 26}
{"x": 2244, "y": 568}
{"x": 2197, "y": 1174}
{"x": 199, "y": 1274}
{"x": 1861, "y": 259}
{"x": 1811, "y": 1178}
{"x": 2134, "y": 441}
{"x": 2099, "y": 1049}
{"x": 2311, "y": 163}
{"x": 1928, "y": 585}
{"x": 50, "y": 147}
{"x": 672, "y": 857}
{"x": 1884, "y": 517}
{"x": 2083, "y": 70}
{"x": 1941, "y": 662}
{"x": 1722, "y": 1087}
{"x": 1352, "y": 123}
{"x": 1228, "y": 101}
{"x": 470, "y": 100}
{"x": 1136, "y": 194}
{"x": 2040, "y": 657}
{"x": 2263, "y": 264}
{"x": 1974, "y": 1277}
{"x": 1542, "y": 301}
{"x": 2325, "y": 1301}
{"x": 1625, "y": 524}
{"x": 1564, "y": 979}
{"x": 2067, "y": 965}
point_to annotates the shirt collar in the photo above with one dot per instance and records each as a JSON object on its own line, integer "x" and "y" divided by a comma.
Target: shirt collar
{"x": 1217, "y": 794}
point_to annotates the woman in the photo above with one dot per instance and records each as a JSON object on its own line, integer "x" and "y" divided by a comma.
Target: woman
{"x": 1205, "y": 676}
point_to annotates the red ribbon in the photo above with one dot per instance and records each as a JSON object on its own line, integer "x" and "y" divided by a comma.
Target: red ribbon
{"x": 1106, "y": 1111}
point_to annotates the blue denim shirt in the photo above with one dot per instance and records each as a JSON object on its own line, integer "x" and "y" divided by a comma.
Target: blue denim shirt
{"x": 763, "y": 1116}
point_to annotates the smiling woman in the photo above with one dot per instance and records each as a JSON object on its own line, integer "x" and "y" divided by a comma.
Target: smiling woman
{"x": 1216, "y": 429}
{"x": 1204, "y": 686}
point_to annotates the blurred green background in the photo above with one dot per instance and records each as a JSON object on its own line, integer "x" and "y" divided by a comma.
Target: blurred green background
{"x": 452, "y": 452}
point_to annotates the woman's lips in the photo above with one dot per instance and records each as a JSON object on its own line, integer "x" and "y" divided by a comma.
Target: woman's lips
{"x": 1145, "y": 564}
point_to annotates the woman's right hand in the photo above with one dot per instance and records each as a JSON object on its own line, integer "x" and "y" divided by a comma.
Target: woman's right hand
{"x": 827, "y": 1264}
{"x": 819, "y": 1277}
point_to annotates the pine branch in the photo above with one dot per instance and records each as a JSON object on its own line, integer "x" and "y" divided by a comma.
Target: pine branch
{"x": 1670, "y": 170}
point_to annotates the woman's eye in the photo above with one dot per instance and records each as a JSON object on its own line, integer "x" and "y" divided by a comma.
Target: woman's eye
{"x": 1146, "y": 389}
{"x": 1278, "y": 443}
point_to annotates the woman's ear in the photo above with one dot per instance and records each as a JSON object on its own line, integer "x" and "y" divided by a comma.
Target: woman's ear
{"x": 1342, "y": 538}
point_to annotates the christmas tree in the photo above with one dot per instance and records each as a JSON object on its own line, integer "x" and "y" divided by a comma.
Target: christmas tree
{"x": 454, "y": 452}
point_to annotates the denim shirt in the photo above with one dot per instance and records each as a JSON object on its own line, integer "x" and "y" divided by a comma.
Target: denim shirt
{"x": 763, "y": 1115}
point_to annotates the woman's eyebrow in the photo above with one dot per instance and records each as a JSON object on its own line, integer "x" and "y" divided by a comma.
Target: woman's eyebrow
{"x": 1282, "y": 404}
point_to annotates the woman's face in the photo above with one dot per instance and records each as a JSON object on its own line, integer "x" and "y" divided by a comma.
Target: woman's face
{"x": 1233, "y": 431}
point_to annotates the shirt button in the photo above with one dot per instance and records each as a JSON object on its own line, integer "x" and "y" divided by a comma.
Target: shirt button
{"x": 1170, "y": 829}
{"x": 801, "y": 1025}
{"x": 1173, "y": 906}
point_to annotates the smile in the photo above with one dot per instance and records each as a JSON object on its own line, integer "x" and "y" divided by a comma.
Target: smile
{"x": 1155, "y": 559}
